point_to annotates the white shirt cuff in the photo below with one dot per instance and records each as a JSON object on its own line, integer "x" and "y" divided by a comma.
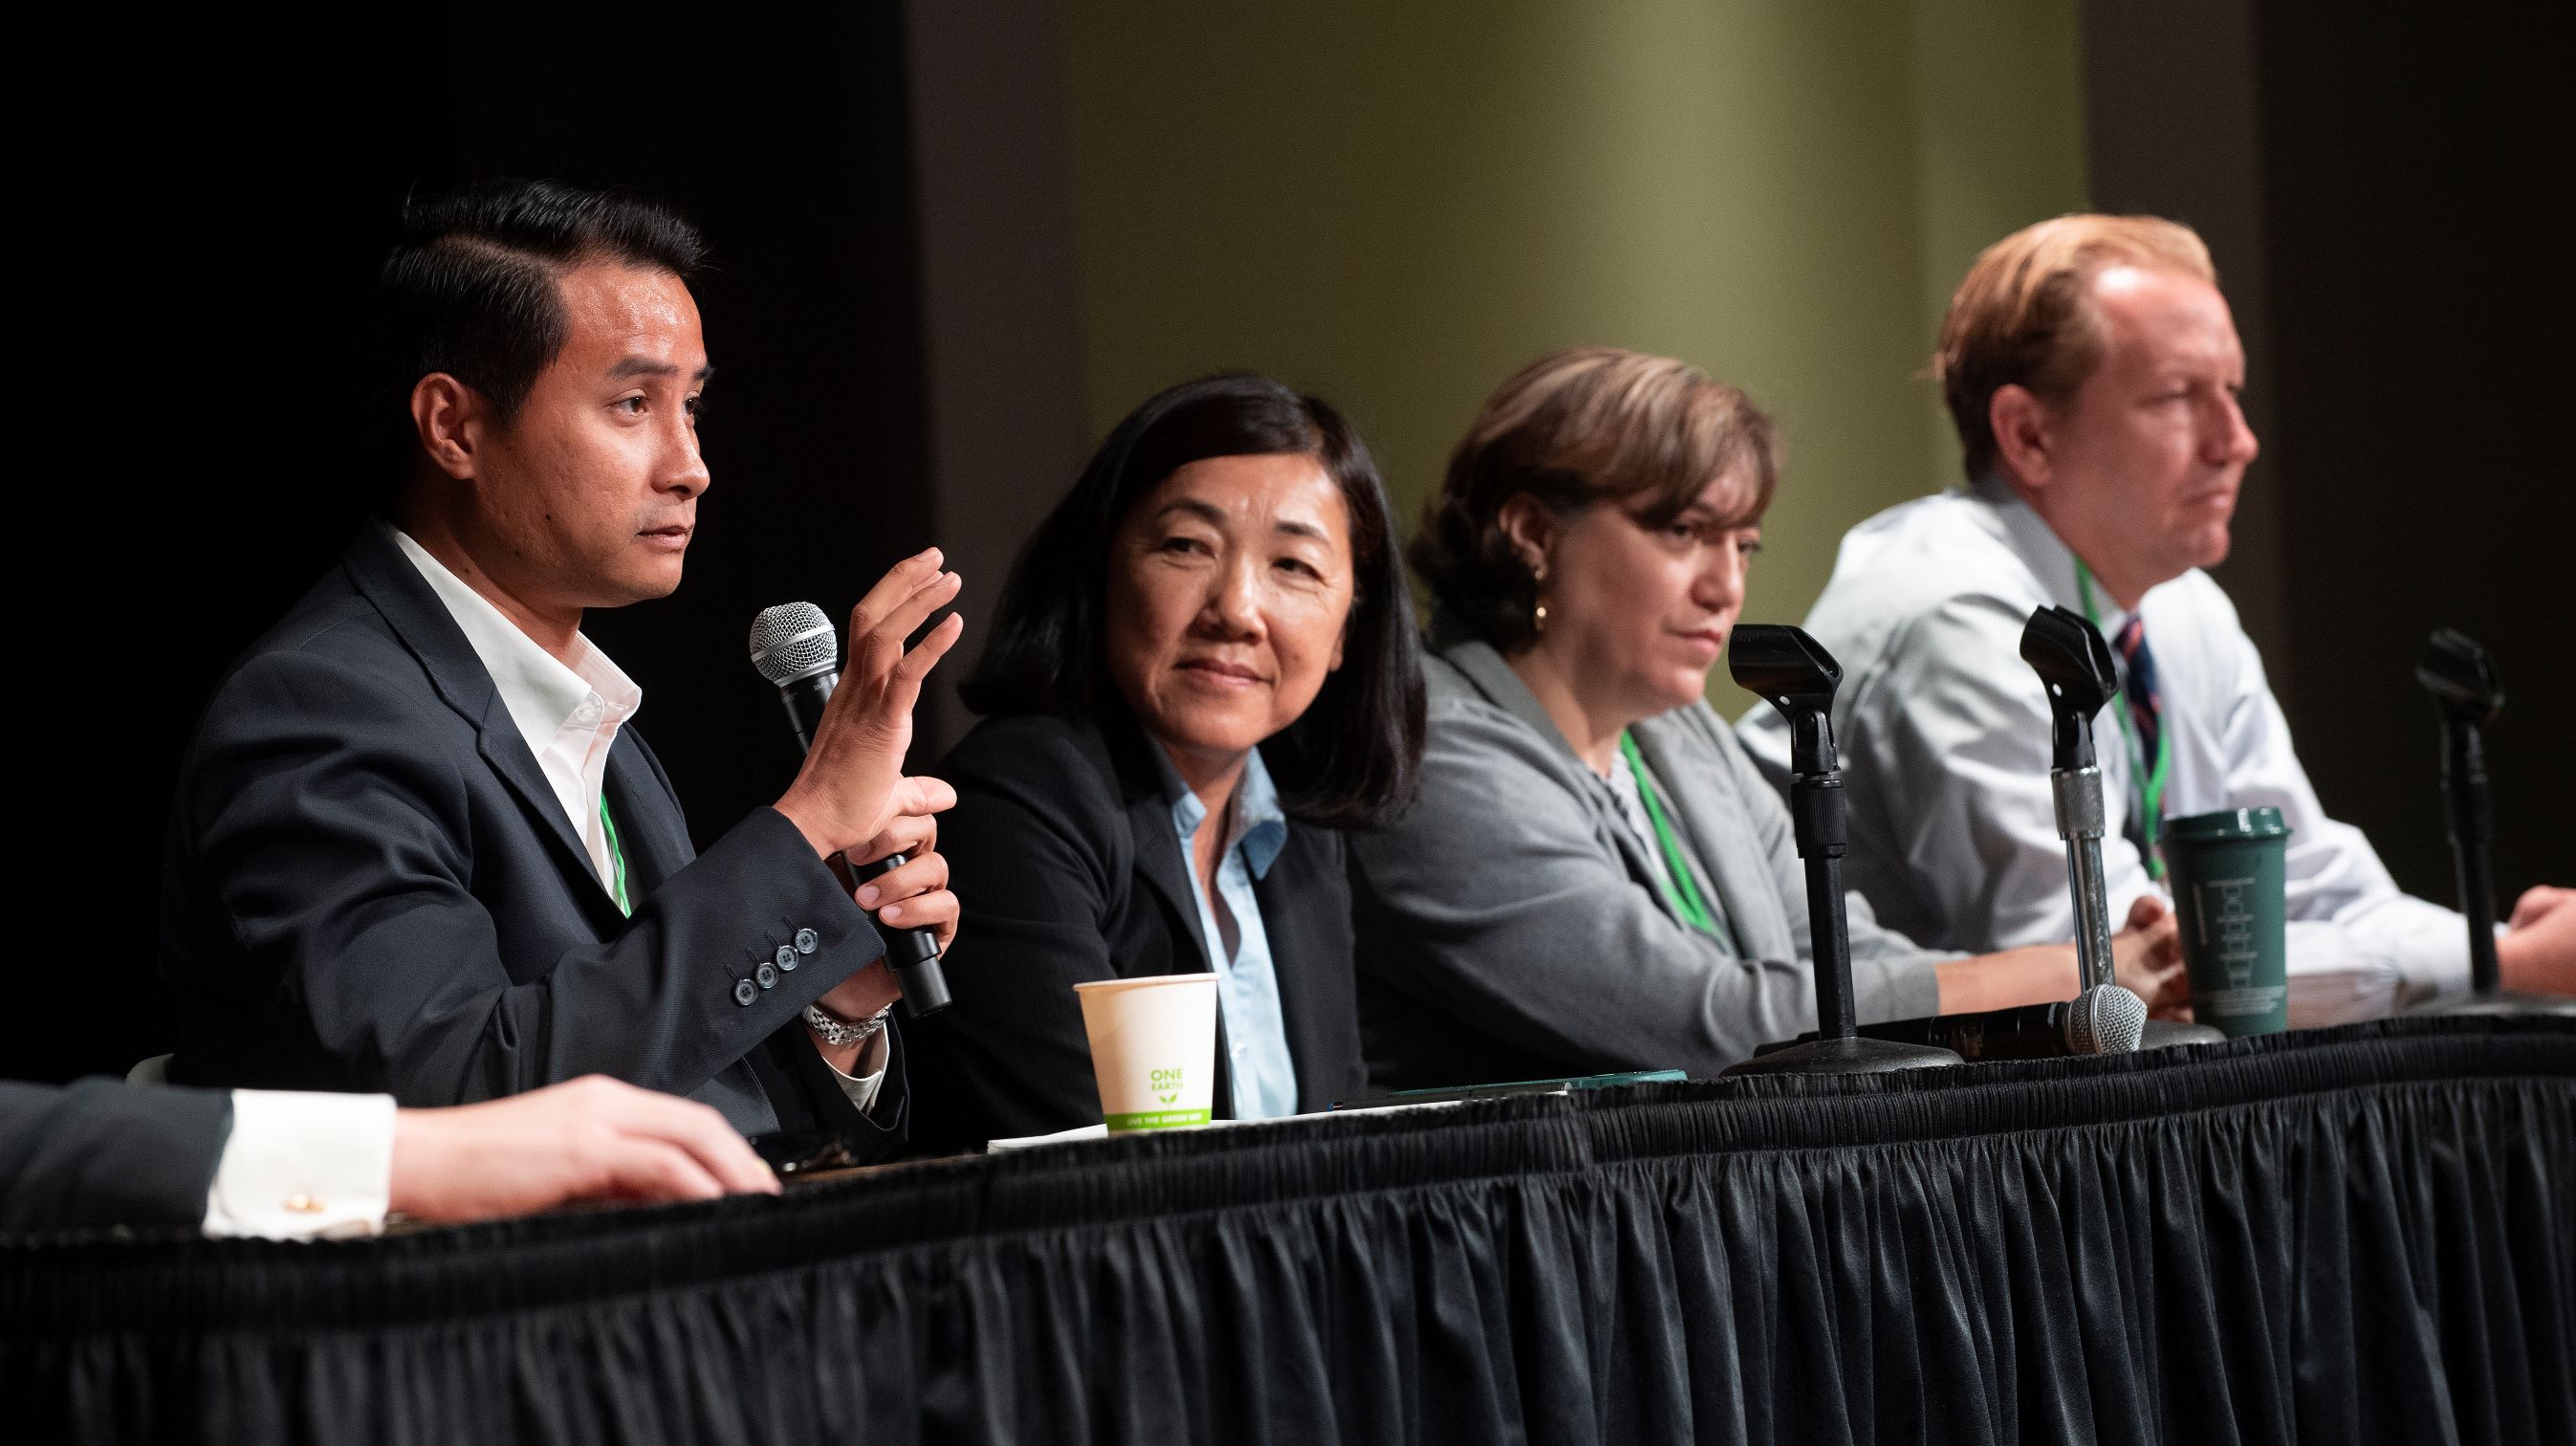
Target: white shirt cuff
{"x": 861, "y": 1090}
{"x": 304, "y": 1166}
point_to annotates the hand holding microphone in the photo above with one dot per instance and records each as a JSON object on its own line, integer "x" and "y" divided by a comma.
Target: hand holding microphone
{"x": 851, "y": 799}
{"x": 852, "y": 787}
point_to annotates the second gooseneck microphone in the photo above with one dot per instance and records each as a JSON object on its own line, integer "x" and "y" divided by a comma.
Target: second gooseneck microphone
{"x": 2074, "y": 663}
{"x": 794, "y": 647}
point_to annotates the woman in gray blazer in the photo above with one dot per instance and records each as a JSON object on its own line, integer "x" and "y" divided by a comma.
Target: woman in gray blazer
{"x": 1594, "y": 876}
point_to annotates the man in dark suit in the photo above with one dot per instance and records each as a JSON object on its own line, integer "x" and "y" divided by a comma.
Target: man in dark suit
{"x": 415, "y": 848}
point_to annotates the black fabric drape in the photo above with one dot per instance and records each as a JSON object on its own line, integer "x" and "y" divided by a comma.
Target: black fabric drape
{"x": 2355, "y": 1235}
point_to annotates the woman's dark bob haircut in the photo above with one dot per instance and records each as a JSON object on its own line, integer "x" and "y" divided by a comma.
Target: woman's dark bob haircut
{"x": 1353, "y": 759}
{"x": 1577, "y": 427}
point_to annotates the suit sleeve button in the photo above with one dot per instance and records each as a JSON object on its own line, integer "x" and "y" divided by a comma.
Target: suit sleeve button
{"x": 767, "y": 974}
{"x": 785, "y": 958}
{"x": 807, "y": 941}
{"x": 744, "y": 992}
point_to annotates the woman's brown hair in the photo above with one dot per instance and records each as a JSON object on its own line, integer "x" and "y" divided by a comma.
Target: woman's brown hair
{"x": 1580, "y": 426}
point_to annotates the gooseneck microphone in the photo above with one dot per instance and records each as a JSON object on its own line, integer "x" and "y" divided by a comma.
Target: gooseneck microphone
{"x": 2097, "y": 1021}
{"x": 2468, "y": 695}
{"x": 1797, "y": 676}
{"x": 794, "y": 647}
{"x": 2074, "y": 664}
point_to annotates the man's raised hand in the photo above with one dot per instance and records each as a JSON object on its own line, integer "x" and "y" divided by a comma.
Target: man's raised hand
{"x": 852, "y": 785}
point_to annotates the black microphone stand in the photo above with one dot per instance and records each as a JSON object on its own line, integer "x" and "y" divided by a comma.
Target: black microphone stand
{"x": 1796, "y": 675}
{"x": 2074, "y": 663}
{"x": 2468, "y": 695}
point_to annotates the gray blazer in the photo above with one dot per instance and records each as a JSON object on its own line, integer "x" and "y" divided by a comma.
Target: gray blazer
{"x": 1510, "y": 925}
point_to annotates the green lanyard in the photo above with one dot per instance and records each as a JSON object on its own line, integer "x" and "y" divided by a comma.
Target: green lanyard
{"x": 2151, "y": 789}
{"x": 1685, "y": 894}
{"x": 616, "y": 856}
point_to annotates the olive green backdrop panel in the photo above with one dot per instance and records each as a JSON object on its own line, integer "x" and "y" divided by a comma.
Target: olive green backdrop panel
{"x": 1396, "y": 205}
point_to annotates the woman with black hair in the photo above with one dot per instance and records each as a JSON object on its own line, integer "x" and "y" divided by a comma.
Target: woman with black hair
{"x": 1203, "y": 670}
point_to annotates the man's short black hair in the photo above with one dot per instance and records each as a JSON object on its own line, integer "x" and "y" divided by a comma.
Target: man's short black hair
{"x": 470, "y": 289}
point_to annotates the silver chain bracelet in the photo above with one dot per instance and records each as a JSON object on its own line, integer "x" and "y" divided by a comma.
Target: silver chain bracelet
{"x": 842, "y": 1031}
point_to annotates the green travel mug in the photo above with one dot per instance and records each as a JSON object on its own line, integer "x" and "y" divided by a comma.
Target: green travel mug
{"x": 2227, "y": 874}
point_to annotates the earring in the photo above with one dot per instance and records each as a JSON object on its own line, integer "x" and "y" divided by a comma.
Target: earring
{"x": 1538, "y": 619}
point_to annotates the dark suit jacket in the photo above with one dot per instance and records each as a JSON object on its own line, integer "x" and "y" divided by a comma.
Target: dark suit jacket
{"x": 1061, "y": 849}
{"x": 107, "y": 1153}
{"x": 369, "y": 886}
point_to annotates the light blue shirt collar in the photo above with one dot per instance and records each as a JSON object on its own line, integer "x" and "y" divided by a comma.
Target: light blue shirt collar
{"x": 1259, "y": 827}
{"x": 1256, "y": 1030}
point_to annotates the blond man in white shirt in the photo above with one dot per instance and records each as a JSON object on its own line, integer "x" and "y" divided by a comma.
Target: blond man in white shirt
{"x": 2092, "y": 369}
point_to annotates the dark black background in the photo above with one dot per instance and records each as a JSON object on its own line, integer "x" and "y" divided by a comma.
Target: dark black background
{"x": 199, "y": 225}
{"x": 2414, "y": 160}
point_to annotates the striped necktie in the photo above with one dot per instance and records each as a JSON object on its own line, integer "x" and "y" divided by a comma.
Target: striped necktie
{"x": 2146, "y": 716}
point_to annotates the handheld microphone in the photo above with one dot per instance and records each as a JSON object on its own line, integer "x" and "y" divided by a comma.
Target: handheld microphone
{"x": 2107, "y": 1019}
{"x": 794, "y": 647}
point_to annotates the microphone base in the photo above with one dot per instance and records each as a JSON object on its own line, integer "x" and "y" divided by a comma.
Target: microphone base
{"x": 2160, "y": 1033}
{"x": 1846, "y": 1056}
{"x": 2501, "y": 1002}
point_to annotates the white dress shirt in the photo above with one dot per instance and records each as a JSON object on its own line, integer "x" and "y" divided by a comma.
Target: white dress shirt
{"x": 1944, "y": 733}
{"x": 569, "y": 715}
{"x": 304, "y": 1166}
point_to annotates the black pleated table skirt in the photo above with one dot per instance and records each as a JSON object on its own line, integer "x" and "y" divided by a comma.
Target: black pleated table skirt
{"x": 2365, "y": 1234}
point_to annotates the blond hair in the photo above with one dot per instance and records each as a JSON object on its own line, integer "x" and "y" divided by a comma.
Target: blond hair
{"x": 2024, "y": 316}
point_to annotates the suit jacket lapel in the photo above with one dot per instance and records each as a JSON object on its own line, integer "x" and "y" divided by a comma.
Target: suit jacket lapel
{"x": 1303, "y": 947}
{"x": 1149, "y": 825}
{"x": 650, "y": 825}
{"x": 1504, "y": 689}
{"x": 398, "y": 591}
{"x": 1711, "y": 816}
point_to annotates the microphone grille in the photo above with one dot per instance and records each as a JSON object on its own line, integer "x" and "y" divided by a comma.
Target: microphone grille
{"x": 792, "y": 641}
{"x": 2107, "y": 1019}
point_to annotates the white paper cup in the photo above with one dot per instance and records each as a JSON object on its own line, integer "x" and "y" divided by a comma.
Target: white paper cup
{"x": 1153, "y": 1049}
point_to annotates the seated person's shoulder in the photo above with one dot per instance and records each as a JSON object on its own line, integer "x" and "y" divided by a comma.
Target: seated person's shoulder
{"x": 1051, "y": 766}
{"x": 1929, "y": 556}
{"x": 1024, "y": 745}
{"x": 1460, "y": 720}
{"x": 332, "y": 660}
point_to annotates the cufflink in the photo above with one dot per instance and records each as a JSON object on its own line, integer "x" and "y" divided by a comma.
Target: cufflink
{"x": 305, "y": 1205}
